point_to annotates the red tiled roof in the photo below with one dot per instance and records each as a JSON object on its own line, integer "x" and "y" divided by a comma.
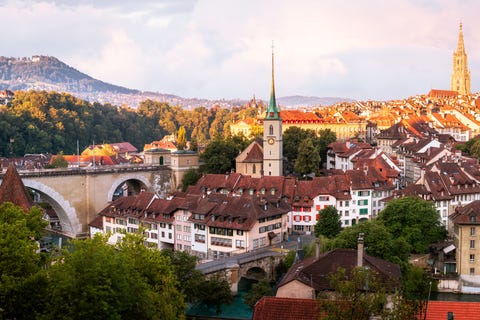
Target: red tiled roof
{"x": 273, "y": 308}
{"x": 438, "y": 310}
{"x": 13, "y": 190}
{"x": 97, "y": 222}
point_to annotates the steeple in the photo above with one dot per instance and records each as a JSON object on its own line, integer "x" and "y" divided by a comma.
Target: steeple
{"x": 461, "y": 74}
{"x": 273, "y": 112}
{"x": 13, "y": 190}
{"x": 461, "y": 45}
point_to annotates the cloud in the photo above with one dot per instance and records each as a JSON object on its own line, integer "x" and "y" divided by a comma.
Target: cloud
{"x": 221, "y": 49}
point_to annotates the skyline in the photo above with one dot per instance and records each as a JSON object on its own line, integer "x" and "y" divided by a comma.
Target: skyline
{"x": 364, "y": 50}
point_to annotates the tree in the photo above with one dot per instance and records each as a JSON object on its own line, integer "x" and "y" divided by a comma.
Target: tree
{"x": 415, "y": 220}
{"x": 215, "y": 292}
{"x": 59, "y": 161}
{"x": 329, "y": 223}
{"x": 308, "y": 159}
{"x": 219, "y": 155}
{"x": 258, "y": 290}
{"x": 325, "y": 137}
{"x": 98, "y": 281}
{"x": 357, "y": 295}
{"x": 181, "y": 138}
{"x": 189, "y": 279}
{"x": 292, "y": 137}
{"x": 19, "y": 261}
{"x": 190, "y": 178}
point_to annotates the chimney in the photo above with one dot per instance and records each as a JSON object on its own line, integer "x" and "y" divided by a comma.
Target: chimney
{"x": 360, "y": 250}
{"x": 317, "y": 249}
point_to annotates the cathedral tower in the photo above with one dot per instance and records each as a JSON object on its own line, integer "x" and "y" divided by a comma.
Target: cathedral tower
{"x": 461, "y": 74}
{"x": 272, "y": 135}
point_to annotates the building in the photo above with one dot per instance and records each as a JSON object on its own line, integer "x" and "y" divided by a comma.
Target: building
{"x": 250, "y": 160}
{"x": 307, "y": 278}
{"x": 466, "y": 234}
{"x": 461, "y": 74}
{"x": 272, "y": 135}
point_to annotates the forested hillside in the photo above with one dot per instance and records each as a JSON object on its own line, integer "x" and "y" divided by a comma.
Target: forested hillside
{"x": 52, "y": 122}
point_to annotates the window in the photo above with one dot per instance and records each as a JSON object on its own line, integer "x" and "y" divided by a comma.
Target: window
{"x": 153, "y": 235}
{"x": 472, "y": 258}
{"x": 200, "y": 238}
{"x": 179, "y": 227}
{"x": 362, "y": 202}
{"x": 472, "y": 244}
{"x": 364, "y": 211}
{"x": 307, "y": 218}
{"x": 270, "y": 130}
{"x": 240, "y": 244}
{"x": 472, "y": 231}
{"x": 472, "y": 271}
{"x": 347, "y": 213}
{"x": 297, "y": 218}
{"x": 186, "y": 229}
{"x": 240, "y": 232}
{"x": 473, "y": 218}
{"x": 347, "y": 222}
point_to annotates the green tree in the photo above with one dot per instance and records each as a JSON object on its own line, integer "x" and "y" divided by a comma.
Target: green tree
{"x": 98, "y": 281}
{"x": 19, "y": 261}
{"x": 59, "y": 161}
{"x": 189, "y": 279}
{"x": 292, "y": 137}
{"x": 181, "y": 138}
{"x": 215, "y": 292}
{"x": 308, "y": 159}
{"x": 190, "y": 178}
{"x": 258, "y": 290}
{"x": 415, "y": 220}
{"x": 325, "y": 137}
{"x": 357, "y": 295}
{"x": 329, "y": 223}
{"x": 219, "y": 155}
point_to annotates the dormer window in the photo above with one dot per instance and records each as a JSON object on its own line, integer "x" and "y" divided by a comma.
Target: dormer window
{"x": 262, "y": 190}
{"x": 272, "y": 191}
{"x": 473, "y": 218}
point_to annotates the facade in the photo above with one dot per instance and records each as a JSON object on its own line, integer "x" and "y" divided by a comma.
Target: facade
{"x": 461, "y": 74}
{"x": 466, "y": 233}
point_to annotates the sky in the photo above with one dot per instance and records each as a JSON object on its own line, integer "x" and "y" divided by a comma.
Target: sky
{"x": 213, "y": 49}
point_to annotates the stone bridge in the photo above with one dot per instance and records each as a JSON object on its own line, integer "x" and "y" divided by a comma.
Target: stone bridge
{"x": 78, "y": 194}
{"x": 256, "y": 265}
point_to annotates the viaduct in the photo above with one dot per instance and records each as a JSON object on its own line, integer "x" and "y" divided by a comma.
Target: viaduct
{"x": 77, "y": 195}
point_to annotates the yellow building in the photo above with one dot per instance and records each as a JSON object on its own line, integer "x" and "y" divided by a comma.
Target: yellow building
{"x": 466, "y": 232}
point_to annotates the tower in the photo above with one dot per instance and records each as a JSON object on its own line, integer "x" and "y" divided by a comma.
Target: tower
{"x": 461, "y": 74}
{"x": 272, "y": 135}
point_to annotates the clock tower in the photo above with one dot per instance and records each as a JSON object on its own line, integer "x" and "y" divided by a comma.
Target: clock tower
{"x": 272, "y": 135}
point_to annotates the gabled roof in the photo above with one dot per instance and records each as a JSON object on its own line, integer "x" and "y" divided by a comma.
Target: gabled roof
{"x": 314, "y": 272}
{"x": 252, "y": 154}
{"x": 13, "y": 190}
{"x": 273, "y": 308}
{"x": 463, "y": 215}
{"x": 123, "y": 147}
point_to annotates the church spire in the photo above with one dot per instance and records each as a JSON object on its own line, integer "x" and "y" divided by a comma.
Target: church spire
{"x": 461, "y": 45}
{"x": 461, "y": 74}
{"x": 272, "y": 110}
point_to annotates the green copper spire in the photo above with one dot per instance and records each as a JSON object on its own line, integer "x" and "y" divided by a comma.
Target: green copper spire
{"x": 273, "y": 112}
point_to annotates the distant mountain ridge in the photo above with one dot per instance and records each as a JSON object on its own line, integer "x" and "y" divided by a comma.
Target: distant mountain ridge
{"x": 49, "y": 73}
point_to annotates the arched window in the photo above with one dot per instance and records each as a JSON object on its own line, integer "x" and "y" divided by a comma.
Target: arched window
{"x": 161, "y": 160}
{"x": 270, "y": 130}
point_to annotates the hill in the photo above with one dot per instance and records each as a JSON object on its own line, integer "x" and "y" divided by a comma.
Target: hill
{"x": 50, "y": 74}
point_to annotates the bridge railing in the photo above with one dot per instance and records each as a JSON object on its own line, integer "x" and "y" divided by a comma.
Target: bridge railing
{"x": 87, "y": 170}
{"x": 225, "y": 263}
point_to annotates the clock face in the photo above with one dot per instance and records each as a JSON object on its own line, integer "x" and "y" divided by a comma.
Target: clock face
{"x": 271, "y": 141}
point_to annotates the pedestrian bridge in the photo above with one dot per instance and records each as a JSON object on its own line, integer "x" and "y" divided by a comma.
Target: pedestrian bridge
{"x": 78, "y": 194}
{"x": 255, "y": 265}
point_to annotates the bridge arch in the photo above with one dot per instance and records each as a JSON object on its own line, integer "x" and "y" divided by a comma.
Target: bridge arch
{"x": 67, "y": 215}
{"x": 135, "y": 181}
{"x": 256, "y": 273}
